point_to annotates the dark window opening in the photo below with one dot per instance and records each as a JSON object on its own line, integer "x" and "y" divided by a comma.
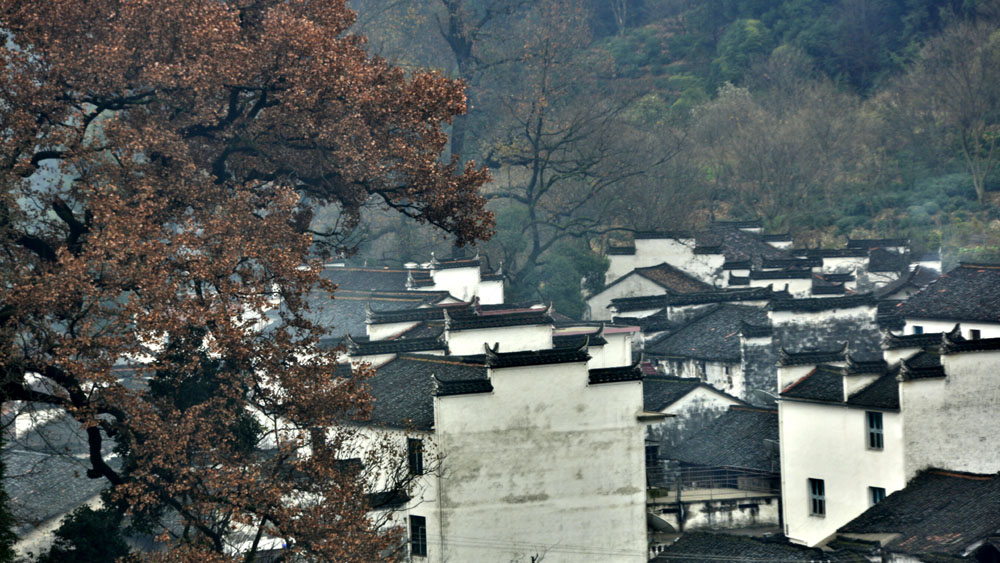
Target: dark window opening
{"x": 418, "y": 536}
{"x": 876, "y": 494}
{"x": 415, "y": 455}
{"x": 974, "y": 334}
{"x": 817, "y": 497}
{"x": 875, "y": 438}
{"x": 917, "y": 329}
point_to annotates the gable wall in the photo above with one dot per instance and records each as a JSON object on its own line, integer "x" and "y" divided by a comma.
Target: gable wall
{"x": 633, "y": 285}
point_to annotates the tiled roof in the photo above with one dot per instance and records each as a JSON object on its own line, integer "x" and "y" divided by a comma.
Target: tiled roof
{"x": 459, "y": 263}
{"x": 881, "y": 260}
{"x": 735, "y": 244}
{"x": 643, "y": 303}
{"x": 807, "y": 357}
{"x": 365, "y": 347}
{"x": 939, "y": 513}
{"x": 970, "y": 292}
{"x": 347, "y": 311}
{"x": 735, "y": 438}
{"x": 838, "y": 278}
{"x": 870, "y": 243}
{"x": 722, "y": 296}
{"x": 925, "y": 364}
{"x": 663, "y": 235}
{"x": 780, "y": 274}
{"x": 739, "y": 280}
{"x": 955, "y": 346}
{"x": 824, "y": 383}
{"x": 887, "y": 315}
{"x": 714, "y": 335}
{"x": 661, "y": 391}
{"x": 416, "y": 314}
{"x": 830, "y": 252}
{"x": 499, "y": 360}
{"x": 462, "y": 387}
{"x": 652, "y": 323}
{"x": 672, "y": 279}
{"x": 367, "y": 279}
{"x": 749, "y": 330}
{"x": 859, "y": 366}
{"x": 917, "y": 278}
{"x": 812, "y": 305}
{"x": 883, "y": 393}
{"x": 743, "y": 224}
{"x": 403, "y": 389}
{"x": 621, "y": 250}
{"x": 795, "y": 262}
{"x": 577, "y": 340}
{"x": 892, "y": 341}
{"x": 819, "y": 288}
{"x": 496, "y": 320}
{"x": 615, "y": 374}
{"x": 708, "y": 546}
{"x": 737, "y": 265}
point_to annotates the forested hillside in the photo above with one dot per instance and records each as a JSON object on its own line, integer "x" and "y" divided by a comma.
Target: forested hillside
{"x": 601, "y": 117}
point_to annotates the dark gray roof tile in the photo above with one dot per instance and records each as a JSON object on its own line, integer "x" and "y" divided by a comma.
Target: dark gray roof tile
{"x": 736, "y": 438}
{"x": 714, "y": 335}
{"x": 970, "y": 292}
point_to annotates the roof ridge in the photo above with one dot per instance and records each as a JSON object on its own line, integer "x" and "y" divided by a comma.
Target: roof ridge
{"x": 961, "y": 474}
{"x": 433, "y": 360}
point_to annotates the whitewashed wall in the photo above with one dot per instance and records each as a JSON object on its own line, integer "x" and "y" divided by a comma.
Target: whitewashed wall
{"x": 954, "y": 422}
{"x": 491, "y": 292}
{"x": 545, "y": 464}
{"x": 460, "y": 282}
{"x": 633, "y": 285}
{"x": 511, "y": 339}
{"x": 829, "y": 442}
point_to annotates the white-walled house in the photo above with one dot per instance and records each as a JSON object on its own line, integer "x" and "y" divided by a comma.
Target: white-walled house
{"x": 853, "y": 434}
{"x": 660, "y": 279}
{"x": 536, "y": 455}
{"x": 969, "y": 294}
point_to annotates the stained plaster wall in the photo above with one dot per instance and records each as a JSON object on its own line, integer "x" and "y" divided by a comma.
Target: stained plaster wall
{"x": 713, "y": 373}
{"x": 844, "y": 264}
{"x": 491, "y": 292}
{"x": 826, "y": 330}
{"x": 721, "y": 514}
{"x": 757, "y": 365}
{"x": 511, "y": 339}
{"x": 616, "y": 352}
{"x": 633, "y": 285}
{"x": 829, "y": 442}
{"x": 545, "y": 463}
{"x": 952, "y": 422}
{"x": 691, "y": 413}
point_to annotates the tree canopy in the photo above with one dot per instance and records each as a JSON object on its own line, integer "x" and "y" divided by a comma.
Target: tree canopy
{"x": 161, "y": 162}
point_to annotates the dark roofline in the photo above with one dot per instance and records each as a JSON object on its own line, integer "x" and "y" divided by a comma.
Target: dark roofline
{"x": 892, "y": 341}
{"x": 870, "y": 243}
{"x": 662, "y": 235}
{"x": 615, "y": 374}
{"x": 412, "y": 315}
{"x": 736, "y": 265}
{"x": 461, "y": 387}
{"x": 722, "y": 296}
{"x": 830, "y": 252}
{"x": 838, "y": 289}
{"x": 473, "y": 262}
{"x": 497, "y": 360}
{"x": 857, "y": 367}
{"x": 979, "y": 265}
{"x": 908, "y": 372}
{"x": 623, "y": 304}
{"x": 813, "y": 305}
{"x": 811, "y": 357}
{"x": 958, "y": 345}
{"x": 808, "y": 262}
{"x": 780, "y": 274}
{"x": 738, "y": 280}
{"x": 398, "y": 346}
{"x": 621, "y": 250}
{"x": 838, "y": 278}
{"x": 747, "y": 224}
{"x": 708, "y": 249}
{"x": 748, "y": 330}
{"x": 473, "y": 322}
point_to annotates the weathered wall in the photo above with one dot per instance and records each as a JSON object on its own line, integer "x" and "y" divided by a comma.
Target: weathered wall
{"x": 826, "y": 330}
{"x": 953, "y": 422}
{"x": 544, "y": 462}
{"x": 691, "y": 414}
{"x": 463, "y": 283}
{"x": 986, "y": 330}
{"x": 721, "y": 514}
{"x": 757, "y": 365}
{"x": 491, "y": 292}
{"x": 829, "y": 442}
{"x": 632, "y": 286}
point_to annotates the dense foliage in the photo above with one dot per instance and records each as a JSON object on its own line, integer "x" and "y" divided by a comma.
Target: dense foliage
{"x": 160, "y": 163}
{"x": 829, "y": 119}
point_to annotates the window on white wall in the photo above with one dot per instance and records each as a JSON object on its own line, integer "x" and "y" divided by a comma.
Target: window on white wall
{"x": 415, "y": 455}
{"x": 974, "y": 334}
{"x": 917, "y": 329}
{"x": 418, "y": 536}
{"x": 876, "y": 495}
{"x": 817, "y": 497}
{"x": 874, "y": 430}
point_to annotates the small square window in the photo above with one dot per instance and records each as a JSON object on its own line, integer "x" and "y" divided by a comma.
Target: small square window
{"x": 917, "y": 329}
{"x": 974, "y": 334}
{"x": 418, "y": 536}
{"x": 876, "y": 495}
{"x": 817, "y": 497}
{"x": 875, "y": 436}
{"x": 415, "y": 456}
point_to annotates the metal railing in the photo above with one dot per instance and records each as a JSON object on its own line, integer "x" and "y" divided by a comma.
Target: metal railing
{"x": 708, "y": 483}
